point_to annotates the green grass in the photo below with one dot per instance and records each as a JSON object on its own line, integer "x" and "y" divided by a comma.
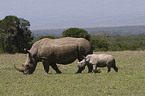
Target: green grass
{"x": 129, "y": 81}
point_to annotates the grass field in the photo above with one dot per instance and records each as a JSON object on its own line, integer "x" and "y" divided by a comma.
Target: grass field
{"x": 129, "y": 81}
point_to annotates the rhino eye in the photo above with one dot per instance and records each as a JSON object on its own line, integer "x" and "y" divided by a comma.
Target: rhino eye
{"x": 27, "y": 65}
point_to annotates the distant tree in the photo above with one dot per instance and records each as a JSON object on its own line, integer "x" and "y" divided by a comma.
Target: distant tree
{"x": 99, "y": 44}
{"x": 14, "y": 34}
{"x": 76, "y": 32}
{"x": 48, "y": 36}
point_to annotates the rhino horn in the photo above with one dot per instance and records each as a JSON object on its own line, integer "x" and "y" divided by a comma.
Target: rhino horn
{"x": 21, "y": 69}
{"x": 26, "y": 50}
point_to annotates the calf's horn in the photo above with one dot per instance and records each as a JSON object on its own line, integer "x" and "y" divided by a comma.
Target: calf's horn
{"x": 27, "y": 51}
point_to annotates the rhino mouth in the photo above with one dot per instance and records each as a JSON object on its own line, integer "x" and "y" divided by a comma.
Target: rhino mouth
{"x": 25, "y": 70}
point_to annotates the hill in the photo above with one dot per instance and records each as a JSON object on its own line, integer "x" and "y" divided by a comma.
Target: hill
{"x": 131, "y": 30}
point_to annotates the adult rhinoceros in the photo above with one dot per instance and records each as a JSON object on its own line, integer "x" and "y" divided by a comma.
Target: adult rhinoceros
{"x": 56, "y": 51}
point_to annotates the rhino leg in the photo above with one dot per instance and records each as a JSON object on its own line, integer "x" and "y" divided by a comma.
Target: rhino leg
{"x": 95, "y": 69}
{"x": 46, "y": 67}
{"x": 54, "y": 66}
{"x": 90, "y": 68}
{"x": 115, "y": 68}
{"x": 109, "y": 69}
{"x": 109, "y": 65}
{"x": 80, "y": 70}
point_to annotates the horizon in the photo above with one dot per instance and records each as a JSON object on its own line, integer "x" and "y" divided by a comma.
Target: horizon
{"x": 103, "y": 26}
{"x": 48, "y": 14}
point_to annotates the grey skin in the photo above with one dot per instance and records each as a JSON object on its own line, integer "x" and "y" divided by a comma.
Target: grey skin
{"x": 56, "y": 51}
{"x": 98, "y": 60}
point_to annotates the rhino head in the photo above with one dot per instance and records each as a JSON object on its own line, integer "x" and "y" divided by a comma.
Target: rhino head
{"x": 29, "y": 66}
{"x": 83, "y": 63}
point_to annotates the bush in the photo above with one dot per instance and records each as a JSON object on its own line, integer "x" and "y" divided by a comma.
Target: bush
{"x": 48, "y": 36}
{"x": 126, "y": 42}
{"x": 76, "y": 32}
{"x": 99, "y": 43}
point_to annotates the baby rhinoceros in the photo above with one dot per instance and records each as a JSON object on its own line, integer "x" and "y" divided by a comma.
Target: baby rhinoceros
{"x": 98, "y": 60}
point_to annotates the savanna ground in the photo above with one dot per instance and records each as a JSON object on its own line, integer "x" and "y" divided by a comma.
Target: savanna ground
{"x": 129, "y": 81}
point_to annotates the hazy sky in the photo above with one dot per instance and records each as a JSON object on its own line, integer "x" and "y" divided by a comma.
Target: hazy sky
{"x": 75, "y": 13}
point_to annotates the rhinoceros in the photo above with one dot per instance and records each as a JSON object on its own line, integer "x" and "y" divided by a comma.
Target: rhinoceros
{"x": 56, "y": 51}
{"x": 98, "y": 60}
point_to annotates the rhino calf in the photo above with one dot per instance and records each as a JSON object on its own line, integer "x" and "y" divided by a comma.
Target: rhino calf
{"x": 98, "y": 60}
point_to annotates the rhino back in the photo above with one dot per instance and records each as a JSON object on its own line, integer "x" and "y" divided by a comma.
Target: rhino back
{"x": 100, "y": 58}
{"x": 60, "y": 41}
{"x": 62, "y": 48}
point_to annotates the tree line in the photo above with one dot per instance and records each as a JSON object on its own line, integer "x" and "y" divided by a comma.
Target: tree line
{"x": 15, "y": 35}
{"x": 103, "y": 41}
